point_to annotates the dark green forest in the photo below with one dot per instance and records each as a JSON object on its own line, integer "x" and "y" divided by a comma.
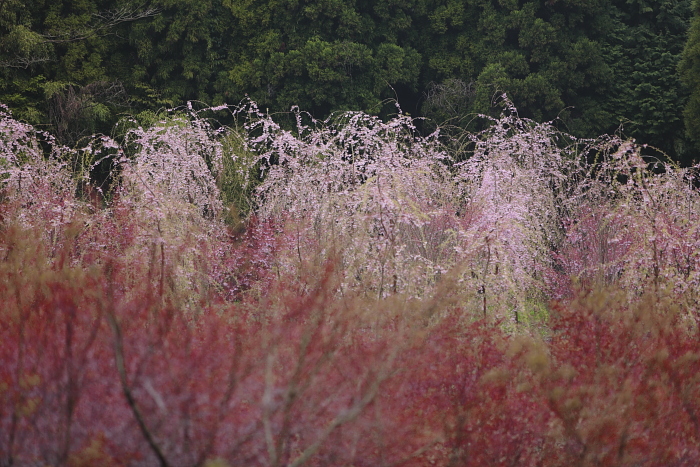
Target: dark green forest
{"x": 74, "y": 67}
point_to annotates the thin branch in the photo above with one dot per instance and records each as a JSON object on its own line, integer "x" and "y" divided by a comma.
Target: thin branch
{"x": 131, "y": 400}
{"x": 341, "y": 419}
{"x": 417, "y": 452}
{"x": 350, "y": 414}
{"x": 104, "y": 22}
{"x": 267, "y": 409}
{"x": 24, "y": 62}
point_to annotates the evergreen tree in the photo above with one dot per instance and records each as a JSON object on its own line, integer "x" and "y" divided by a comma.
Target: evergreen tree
{"x": 593, "y": 64}
{"x": 545, "y": 55}
{"x": 322, "y": 55}
{"x": 61, "y": 62}
{"x": 643, "y": 49}
{"x": 689, "y": 68}
{"x": 22, "y": 51}
{"x": 176, "y": 55}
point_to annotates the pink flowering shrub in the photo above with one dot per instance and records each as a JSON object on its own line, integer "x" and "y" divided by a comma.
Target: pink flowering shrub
{"x": 594, "y": 252}
{"x": 174, "y": 166}
{"x": 40, "y": 188}
{"x": 635, "y": 226}
{"x": 403, "y": 212}
{"x": 369, "y": 190}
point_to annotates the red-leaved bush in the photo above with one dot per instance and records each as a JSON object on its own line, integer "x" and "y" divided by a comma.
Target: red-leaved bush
{"x": 99, "y": 363}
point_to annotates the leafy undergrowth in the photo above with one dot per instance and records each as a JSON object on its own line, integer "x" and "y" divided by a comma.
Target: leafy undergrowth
{"x": 386, "y": 303}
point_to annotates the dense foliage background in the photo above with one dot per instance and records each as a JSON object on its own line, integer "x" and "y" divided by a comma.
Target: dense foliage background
{"x": 598, "y": 65}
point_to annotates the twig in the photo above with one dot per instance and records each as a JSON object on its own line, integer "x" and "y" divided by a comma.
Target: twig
{"x": 121, "y": 369}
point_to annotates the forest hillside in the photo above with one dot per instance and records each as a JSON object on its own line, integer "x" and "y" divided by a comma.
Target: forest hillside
{"x": 598, "y": 66}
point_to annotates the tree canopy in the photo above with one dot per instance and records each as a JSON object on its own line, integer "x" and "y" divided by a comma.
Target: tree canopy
{"x": 689, "y": 69}
{"x": 592, "y": 64}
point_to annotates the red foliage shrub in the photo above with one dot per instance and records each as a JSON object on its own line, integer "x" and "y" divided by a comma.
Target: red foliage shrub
{"x": 245, "y": 261}
{"x": 465, "y": 399}
{"x": 622, "y": 381}
{"x": 98, "y": 365}
{"x": 101, "y": 367}
{"x": 593, "y": 253}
